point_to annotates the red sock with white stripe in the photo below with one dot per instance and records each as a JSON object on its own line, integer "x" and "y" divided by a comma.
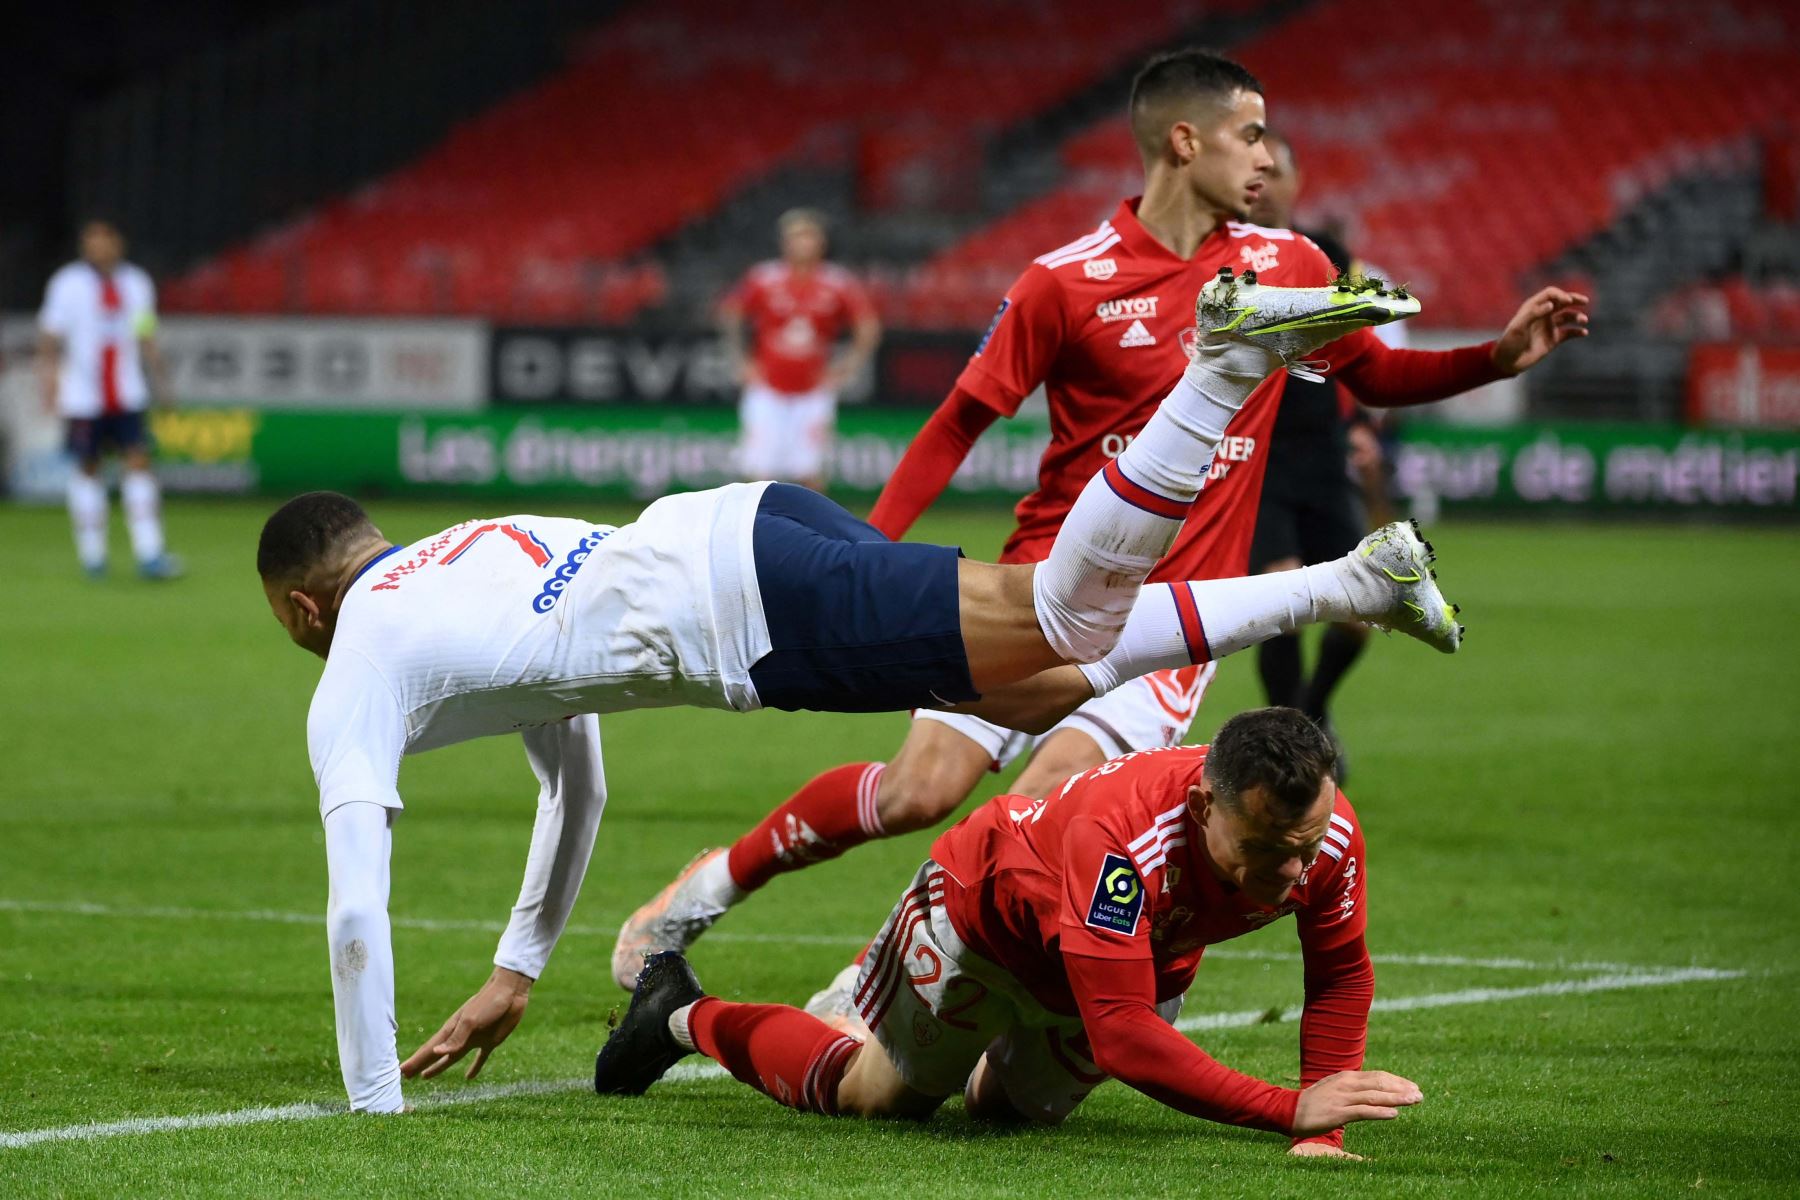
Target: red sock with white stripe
{"x": 831, "y": 814}
{"x": 1180, "y": 623}
{"x": 1126, "y": 517}
{"x": 787, "y": 1055}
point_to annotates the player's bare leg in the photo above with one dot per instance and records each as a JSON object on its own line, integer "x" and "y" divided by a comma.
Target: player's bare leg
{"x": 1064, "y": 753}
{"x": 934, "y": 771}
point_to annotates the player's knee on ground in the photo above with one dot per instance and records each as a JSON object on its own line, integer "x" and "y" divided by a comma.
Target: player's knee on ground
{"x": 872, "y": 1087}
{"x": 985, "y": 1099}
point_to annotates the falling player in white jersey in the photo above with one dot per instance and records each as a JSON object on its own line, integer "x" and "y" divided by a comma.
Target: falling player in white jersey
{"x": 98, "y": 368}
{"x": 754, "y": 596}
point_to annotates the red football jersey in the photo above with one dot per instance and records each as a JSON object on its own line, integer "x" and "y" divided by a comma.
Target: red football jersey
{"x": 1101, "y": 324}
{"x": 794, "y": 317}
{"x": 1113, "y": 866}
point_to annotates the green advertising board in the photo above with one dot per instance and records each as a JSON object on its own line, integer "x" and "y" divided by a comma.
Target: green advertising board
{"x": 639, "y": 453}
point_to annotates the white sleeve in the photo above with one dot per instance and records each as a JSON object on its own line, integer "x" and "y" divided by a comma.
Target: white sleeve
{"x": 572, "y": 794}
{"x": 358, "y": 839}
{"x": 356, "y": 733}
{"x": 57, "y": 315}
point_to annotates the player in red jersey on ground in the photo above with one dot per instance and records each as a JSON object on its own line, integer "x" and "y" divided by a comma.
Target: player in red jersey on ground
{"x": 1103, "y": 325}
{"x": 1045, "y": 945}
{"x": 795, "y": 308}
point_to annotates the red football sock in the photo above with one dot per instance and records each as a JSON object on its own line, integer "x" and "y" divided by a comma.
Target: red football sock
{"x": 784, "y": 1053}
{"x": 822, "y": 820}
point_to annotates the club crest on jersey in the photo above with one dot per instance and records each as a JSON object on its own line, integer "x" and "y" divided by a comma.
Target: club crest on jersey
{"x": 1100, "y": 268}
{"x": 993, "y": 325}
{"x": 1126, "y": 308}
{"x": 1260, "y": 258}
{"x": 1118, "y": 897}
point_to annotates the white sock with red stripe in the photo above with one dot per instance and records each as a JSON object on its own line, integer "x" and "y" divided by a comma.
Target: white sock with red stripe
{"x": 142, "y": 501}
{"x": 1127, "y": 516}
{"x": 87, "y": 513}
{"x": 1177, "y": 624}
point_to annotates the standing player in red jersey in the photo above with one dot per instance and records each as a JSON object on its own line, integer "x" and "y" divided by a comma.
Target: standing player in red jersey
{"x": 795, "y": 307}
{"x": 1102, "y": 324}
{"x": 1045, "y": 945}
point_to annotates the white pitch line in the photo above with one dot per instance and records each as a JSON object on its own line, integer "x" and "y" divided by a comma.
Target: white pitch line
{"x": 690, "y": 1072}
{"x": 76, "y": 908}
{"x": 1562, "y": 987}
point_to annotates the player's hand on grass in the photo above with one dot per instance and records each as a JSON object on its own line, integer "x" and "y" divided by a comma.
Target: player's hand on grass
{"x": 482, "y": 1023}
{"x": 1321, "y": 1150}
{"x": 1352, "y": 1096}
{"x": 1543, "y": 322}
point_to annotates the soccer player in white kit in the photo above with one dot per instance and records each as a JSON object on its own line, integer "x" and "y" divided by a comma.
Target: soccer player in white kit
{"x": 752, "y": 596}
{"x": 97, "y": 364}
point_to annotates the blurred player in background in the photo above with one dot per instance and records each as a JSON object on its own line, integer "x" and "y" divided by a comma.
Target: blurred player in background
{"x": 1101, "y": 324}
{"x": 1045, "y": 947}
{"x": 795, "y": 307}
{"x": 1310, "y": 508}
{"x": 98, "y": 368}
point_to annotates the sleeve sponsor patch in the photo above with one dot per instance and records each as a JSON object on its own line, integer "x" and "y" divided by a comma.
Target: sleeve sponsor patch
{"x": 1118, "y": 897}
{"x": 993, "y": 325}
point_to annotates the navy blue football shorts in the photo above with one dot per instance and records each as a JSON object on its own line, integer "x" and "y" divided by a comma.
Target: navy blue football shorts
{"x": 857, "y": 623}
{"x": 88, "y": 437}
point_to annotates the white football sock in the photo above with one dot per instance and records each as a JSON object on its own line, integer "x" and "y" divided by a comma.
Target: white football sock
{"x": 714, "y": 884}
{"x": 87, "y": 513}
{"x": 1177, "y": 624}
{"x": 142, "y": 501}
{"x": 1127, "y": 516}
{"x": 678, "y": 1027}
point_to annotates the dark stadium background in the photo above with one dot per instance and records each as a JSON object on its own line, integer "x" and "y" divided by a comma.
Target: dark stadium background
{"x": 567, "y": 188}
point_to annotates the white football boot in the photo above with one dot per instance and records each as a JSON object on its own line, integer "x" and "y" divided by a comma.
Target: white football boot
{"x": 674, "y": 918}
{"x": 1397, "y": 559}
{"x": 1289, "y": 323}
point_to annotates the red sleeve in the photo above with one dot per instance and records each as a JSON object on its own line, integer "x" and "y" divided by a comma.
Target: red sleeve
{"x": 1103, "y": 895}
{"x": 1131, "y": 1043}
{"x": 1015, "y": 354}
{"x": 1340, "y": 979}
{"x": 740, "y": 297}
{"x": 1383, "y": 377}
{"x": 925, "y": 470}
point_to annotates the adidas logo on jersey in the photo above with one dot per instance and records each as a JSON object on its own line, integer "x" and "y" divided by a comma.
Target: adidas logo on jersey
{"x": 1100, "y": 268}
{"x": 1137, "y": 335}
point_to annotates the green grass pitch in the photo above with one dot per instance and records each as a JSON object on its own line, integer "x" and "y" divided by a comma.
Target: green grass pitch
{"x": 1600, "y": 791}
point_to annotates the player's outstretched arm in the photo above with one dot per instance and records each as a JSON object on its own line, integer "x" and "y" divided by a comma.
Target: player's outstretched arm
{"x": 357, "y": 846}
{"x": 565, "y": 757}
{"x": 1544, "y": 322}
{"x": 926, "y": 468}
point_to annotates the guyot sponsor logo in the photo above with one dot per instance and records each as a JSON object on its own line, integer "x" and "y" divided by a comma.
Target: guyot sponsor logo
{"x": 1129, "y": 308}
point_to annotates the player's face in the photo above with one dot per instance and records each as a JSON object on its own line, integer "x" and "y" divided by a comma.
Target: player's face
{"x": 1263, "y": 856}
{"x": 1274, "y": 205}
{"x": 102, "y": 245}
{"x": 301, "y": 616}
{"x": 802, "y": 243}
{"x": 1227, "y": 174}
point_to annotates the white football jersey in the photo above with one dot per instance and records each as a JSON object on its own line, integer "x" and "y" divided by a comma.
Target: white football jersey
{"x": 503, "y": 624}
{"x": 99, "y": 320}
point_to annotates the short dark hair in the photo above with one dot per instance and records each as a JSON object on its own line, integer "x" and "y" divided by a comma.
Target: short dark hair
{"x": 1279, "y": 750}
{"x": 302, "y": 534}
{"x": 1182, "y": 76}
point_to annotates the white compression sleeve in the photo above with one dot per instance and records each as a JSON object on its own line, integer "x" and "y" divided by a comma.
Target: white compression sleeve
{"x": 571, "y": 797}
{"x": 358, "y": 841}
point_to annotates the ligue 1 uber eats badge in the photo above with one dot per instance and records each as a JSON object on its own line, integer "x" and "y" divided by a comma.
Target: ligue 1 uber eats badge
{"x": 1118, "y": 897}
